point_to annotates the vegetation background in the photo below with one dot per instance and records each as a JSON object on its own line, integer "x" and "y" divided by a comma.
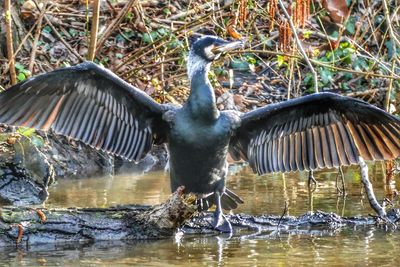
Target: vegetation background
{"x": 344, "y": 46}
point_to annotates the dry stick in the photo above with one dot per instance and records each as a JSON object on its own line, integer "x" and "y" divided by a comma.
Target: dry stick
{"x": 196, "y": 9}
{"x": 316, "y": 62}
{"x": 114, "y": 24}
{"x": 365, "y": 93}
{"x": 59, "y": 35}
{"x": 389, "y": 24}
{"x": 138, "y": 54}
{"x": 369, "y": 15}
{"x": 373, "y": 58}
{"x": 34, "y": 45}
{"x": 95, "y": 28}
{"x": 140, "y": 13}
{"x": 394, "y": 42}
{"x": 161, "y": 42}
{"x": 151, "y": 65}
{"x": 369, "y": 189}
{"x": 62, "y": 40}
{"x": 10, "y": 48}
{"x": 300, "y": 46}
{"x": 291, "y": 71}
{"x": 29, "y": 33}
{"x": 389, "y": 91}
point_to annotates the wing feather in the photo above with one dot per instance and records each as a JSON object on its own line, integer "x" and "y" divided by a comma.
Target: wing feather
{"x": 89, "y": 104}
{"x": 318, "y": 131}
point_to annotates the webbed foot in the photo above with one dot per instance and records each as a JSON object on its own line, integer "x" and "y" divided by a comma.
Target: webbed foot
{"x": 220, "y": 223}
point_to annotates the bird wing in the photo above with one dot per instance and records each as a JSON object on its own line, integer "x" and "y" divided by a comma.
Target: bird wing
{"x": 316, "y": 131}
{"x": 87, "y": 103}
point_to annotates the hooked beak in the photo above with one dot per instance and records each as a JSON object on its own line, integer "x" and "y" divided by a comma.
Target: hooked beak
{"x": 229, "y": 46}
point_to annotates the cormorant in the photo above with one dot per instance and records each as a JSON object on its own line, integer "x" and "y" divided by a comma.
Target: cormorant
{"x": 91, "y": 104}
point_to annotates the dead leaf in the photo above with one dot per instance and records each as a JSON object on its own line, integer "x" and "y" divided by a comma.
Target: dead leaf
{"x": 337, "y": 9}
{"x": 232, "y": 32}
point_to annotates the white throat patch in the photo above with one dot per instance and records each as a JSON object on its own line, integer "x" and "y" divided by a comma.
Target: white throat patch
{"x": 195, "y": 64}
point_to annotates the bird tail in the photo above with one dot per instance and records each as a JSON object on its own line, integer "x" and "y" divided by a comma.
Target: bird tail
{"x": 229, "y": 201}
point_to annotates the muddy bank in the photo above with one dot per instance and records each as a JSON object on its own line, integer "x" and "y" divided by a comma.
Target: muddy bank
{"x": 31, "y": 161}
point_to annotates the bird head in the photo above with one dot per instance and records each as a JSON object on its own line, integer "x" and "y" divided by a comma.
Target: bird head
{"x": 206, "y": 49}
{"x": 210, "y": 48}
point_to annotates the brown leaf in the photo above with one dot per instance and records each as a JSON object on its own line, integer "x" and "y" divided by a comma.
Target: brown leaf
{"x": 337, "y": 9}
{"x": 232, "y": 32}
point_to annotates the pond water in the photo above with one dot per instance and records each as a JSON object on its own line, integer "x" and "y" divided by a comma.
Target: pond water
{"x": 361, "y": 246}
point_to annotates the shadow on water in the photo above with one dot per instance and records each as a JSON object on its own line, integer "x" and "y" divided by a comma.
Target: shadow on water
{"x": 262, "y": 195}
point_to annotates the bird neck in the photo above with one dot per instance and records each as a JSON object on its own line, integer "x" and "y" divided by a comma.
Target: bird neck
{"x": 201, "y": 102}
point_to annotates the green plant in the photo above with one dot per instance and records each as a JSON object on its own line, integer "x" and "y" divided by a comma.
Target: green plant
{"x": 22, "y": 72}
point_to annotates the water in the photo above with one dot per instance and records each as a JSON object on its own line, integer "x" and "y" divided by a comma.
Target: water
{"x": 360, "y": 246}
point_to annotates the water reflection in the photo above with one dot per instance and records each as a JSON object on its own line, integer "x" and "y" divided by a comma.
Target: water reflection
{"x": 262, "y": 194}
{"x": 355, "y": 247}
{"x": 266, "y": 194}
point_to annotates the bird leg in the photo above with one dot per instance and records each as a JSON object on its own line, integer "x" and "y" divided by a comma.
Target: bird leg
{"x": 369, "y": 190}
{"x": 220, "y": 222}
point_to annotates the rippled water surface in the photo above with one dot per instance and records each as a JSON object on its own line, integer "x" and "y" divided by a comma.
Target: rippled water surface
{"x": 360, "y": 246}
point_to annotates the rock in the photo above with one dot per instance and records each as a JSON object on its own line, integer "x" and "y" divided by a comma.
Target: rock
{"x": 71, "y": 159}
{"x": 25, "y": 172}
{"x": 28, "y": 165}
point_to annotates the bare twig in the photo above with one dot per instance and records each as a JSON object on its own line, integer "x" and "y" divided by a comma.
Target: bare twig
{"x": 370, "y": 56}
{"x": 114, "y": 24}
{"x": 366, "y": 93}
{"x": 369, "y": 189}
{"x": 389, "y": 24}
{"x": 28, "y": 34}
{"x": 319, "y": 63}
{"x": 196, "y": 9}
{"x": 300, "y": 46}
{"x": 34, "y": 45}
{"x": 390, "y": 87}
{"x": 158, "y": 43}
{"x": 73, "y": 51}
{"x": 10, "y": 48}
{"x": 95, "y": 27}
{"x": 394, "y": 42}
{"x": 371, "y": 74}
{"x": 284, "y": 213}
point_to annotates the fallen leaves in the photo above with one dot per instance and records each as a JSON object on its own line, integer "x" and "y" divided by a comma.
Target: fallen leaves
{"x": 337, "y": 9}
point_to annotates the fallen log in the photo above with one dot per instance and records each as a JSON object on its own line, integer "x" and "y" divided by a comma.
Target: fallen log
{"x": 24, "y": 226}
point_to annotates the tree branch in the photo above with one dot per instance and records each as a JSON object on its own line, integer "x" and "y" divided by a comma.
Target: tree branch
{"x": 94, "y": 30}
{"x": 114, "y": 24}
{"x": 10, "y": 48}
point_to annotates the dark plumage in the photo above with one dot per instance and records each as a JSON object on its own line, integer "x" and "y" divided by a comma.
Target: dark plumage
{"x": 90, "y": 104}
